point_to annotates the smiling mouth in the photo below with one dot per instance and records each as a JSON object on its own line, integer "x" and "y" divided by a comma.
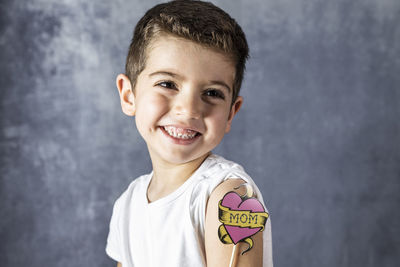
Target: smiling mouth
{"x": 180, "y": 133}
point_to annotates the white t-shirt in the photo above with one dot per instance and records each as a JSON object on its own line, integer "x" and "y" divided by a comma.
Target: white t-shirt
{"x": 170, "y": 231}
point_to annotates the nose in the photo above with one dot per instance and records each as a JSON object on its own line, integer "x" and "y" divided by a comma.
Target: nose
{"x": 188, "y": 106}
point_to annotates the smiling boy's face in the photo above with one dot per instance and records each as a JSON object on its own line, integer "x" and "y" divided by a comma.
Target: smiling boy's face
{"x": 182, "y": 99}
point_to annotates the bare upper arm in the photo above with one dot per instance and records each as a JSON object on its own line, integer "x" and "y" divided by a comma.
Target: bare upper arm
{"x": 119, "y": 264}
{"x": 217, "y": 253}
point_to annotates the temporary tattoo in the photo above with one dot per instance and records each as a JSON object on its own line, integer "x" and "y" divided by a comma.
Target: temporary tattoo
{"x": 241, "y": 218}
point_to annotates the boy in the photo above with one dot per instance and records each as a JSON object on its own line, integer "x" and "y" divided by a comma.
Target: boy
{"x": 183, "y": 74}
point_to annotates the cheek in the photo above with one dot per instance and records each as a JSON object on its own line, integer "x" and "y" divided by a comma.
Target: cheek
{"x": 218, "y": 120}
{"x": 152, "y": 106}
{"x": 149, "y": 110}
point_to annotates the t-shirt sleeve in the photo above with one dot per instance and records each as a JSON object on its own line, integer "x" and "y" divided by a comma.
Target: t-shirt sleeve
{"x": 113, "y": 247}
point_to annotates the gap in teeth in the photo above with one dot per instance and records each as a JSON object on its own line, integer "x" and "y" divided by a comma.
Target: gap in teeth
{"x": 179, "y": 132}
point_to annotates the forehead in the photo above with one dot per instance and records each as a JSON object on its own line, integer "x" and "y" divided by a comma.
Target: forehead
{"x": 189, "y": 59}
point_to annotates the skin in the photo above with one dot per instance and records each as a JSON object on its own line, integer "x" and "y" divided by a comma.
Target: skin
{"x": 196, "y": 95}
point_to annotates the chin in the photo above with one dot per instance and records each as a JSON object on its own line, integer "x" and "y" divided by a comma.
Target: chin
{"x": 182, "y": 158}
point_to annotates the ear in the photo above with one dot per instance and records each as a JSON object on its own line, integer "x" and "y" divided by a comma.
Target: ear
{"x": 126, "y": 95}
{"x": 234, "y": 109}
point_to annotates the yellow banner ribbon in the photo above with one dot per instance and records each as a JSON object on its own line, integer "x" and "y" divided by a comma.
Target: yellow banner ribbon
{"x": 242, "y": 218}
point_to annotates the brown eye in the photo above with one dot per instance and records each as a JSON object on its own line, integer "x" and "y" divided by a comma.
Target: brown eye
{"x": 214, "y": 93}
{"x": 167, "y": 84}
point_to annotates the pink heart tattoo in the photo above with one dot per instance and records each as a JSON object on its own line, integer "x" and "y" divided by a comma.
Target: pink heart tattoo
{"x": 241, "y": 218}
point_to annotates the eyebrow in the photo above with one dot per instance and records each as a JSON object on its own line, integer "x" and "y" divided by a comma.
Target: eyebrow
{"x": 221, "y": 83}
{"x": 164, "y": 73}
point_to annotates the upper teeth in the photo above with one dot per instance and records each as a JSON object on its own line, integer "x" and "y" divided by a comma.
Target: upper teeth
{"x": 180, "y": 132}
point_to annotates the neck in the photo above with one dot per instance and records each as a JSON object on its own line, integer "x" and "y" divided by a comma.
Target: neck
{"x": 169, "y": 176}
{"x": 170, "y": 173}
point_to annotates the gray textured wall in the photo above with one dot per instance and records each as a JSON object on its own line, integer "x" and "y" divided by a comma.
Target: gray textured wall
{"x": 319, "y": 130}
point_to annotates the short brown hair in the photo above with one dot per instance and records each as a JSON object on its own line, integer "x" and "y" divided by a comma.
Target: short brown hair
{"x": 201, "y": 22}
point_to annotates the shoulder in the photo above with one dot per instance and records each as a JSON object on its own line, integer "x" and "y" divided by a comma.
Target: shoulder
{"x": 222, "y": 175}
{"x": 214, "y": 176}
{"x": 217, "y": 169}
{"x": 218, "y": 176}
{"x": 220, "y": 163}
